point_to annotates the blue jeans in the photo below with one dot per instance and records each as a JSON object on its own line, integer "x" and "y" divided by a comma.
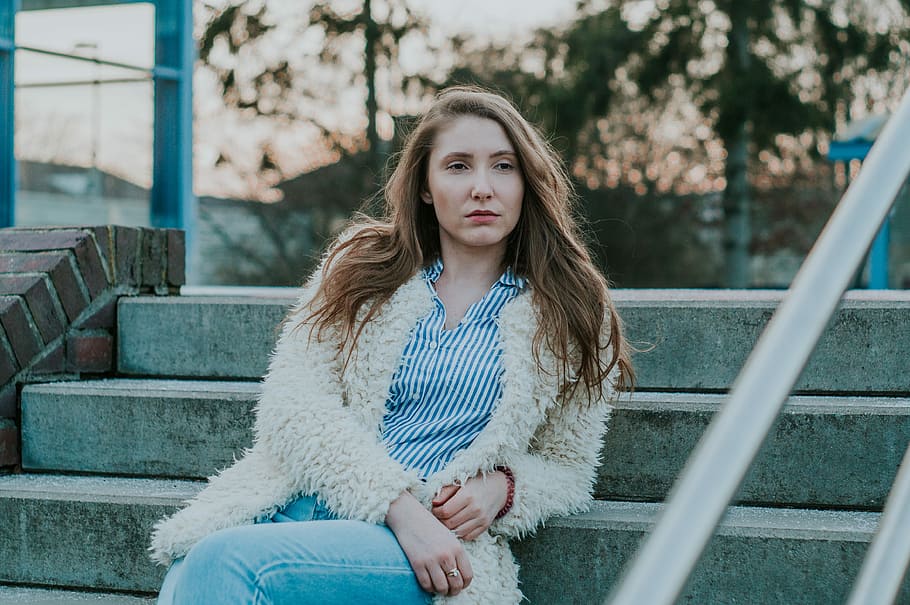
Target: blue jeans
{"x": 303, "y": 554}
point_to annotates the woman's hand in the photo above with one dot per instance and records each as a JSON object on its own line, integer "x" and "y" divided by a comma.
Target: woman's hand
{"x": 469, "y": 509}
{"x": 432, "y": 550}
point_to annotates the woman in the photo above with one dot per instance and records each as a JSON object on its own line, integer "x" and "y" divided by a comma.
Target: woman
{"x": 441, "y": 387}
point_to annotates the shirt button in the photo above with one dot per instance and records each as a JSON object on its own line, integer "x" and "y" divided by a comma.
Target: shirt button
{"x": 433, "y": 346}
{"x": 415, "y": 396}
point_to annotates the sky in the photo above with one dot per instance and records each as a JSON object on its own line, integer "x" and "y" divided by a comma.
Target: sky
{"x": 114, "y": 122}
{"x": 69, "y": 123}
{"x": 500, "y": 19}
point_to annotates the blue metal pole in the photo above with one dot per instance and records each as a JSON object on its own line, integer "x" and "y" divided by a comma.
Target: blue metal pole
{"x": 173, "y": 203}
{"x": 878, "y": 258}
{"x": 7, "y": 114}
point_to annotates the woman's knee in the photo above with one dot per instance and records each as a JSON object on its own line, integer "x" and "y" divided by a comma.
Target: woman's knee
{"x": 225, "y": 552}
{"x": 219, "y": 564}
{"x": 342, "y": 561}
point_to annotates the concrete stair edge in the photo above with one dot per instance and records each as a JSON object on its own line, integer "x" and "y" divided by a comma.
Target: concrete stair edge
{"x": 23, "y": 595}
{"x": 817, "y": 455}
{"x": 768, "y": 556}
{"x": 688, "y": 345}
{"x": 55, "y": 552}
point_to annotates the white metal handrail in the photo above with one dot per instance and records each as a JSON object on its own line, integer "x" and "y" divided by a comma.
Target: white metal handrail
{"x": 886, "y": 562}
{"x": 716, "y": 469}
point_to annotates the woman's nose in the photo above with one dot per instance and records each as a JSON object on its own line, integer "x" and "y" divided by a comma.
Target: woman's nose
{"x": 482, "y": 189}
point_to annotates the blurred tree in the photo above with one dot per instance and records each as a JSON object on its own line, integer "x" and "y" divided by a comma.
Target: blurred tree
{"x": 310, "y": 68}
{"x": 382, "y": 42}
{"x": 751, "y": 71}
{"x": 276, "y": 61}
{"x": 661, "y": 97}
{"x": 760, "y": 69}
{"x": 563, "y": 78}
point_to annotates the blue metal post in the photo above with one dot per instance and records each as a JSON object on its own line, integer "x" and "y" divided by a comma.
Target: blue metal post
{"x": 173, "y": 203}
{"x": 878, "y": 258}
{"x": 7, "y": 115}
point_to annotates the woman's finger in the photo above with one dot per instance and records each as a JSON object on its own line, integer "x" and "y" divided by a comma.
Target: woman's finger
{"x": 453, "y": 575}
{"x": 472, "y": 534}
{"x": 450, "y": 508}
{"x": 456, "y": 504}
{"x": 456, "y": 519}
{"x": 470, "y": 529}
{"x": 444, "y": 494}
{"x": 423, "y": 578}
{"x": 471, "y": 512}
{"x": 439, "y": 580}
{"x": 464, "y": 568}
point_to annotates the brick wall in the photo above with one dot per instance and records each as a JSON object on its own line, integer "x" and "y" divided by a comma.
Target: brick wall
{"x": 58, "y": 302}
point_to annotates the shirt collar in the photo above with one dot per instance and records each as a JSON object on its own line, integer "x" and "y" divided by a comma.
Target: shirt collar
{"x": 434, "y": 270}
{"x": 512, "y": 279}
{"x": 509, "y": 278}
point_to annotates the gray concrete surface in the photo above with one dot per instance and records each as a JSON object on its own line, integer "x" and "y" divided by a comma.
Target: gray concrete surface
{"x": 16, "y": 595}
{"x": 197, "y": 336}
{"x": 703, "y": 344}
{"x": 83, "y": 532}
{"x": 837, "y": 451}
{"x": 832, "y": 451}
{"x": 165, "y": 428}
{"x": 56, "y": 525}
{"x": 766, "y": 556}
{"x": 696, "y": 339}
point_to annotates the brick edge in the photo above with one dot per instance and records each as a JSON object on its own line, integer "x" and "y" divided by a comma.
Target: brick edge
{"x": 59, "y": 288}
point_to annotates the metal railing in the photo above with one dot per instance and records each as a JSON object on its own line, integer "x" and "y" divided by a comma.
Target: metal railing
{"x": 888, "y": 557}
{"x": 716, "y": 469}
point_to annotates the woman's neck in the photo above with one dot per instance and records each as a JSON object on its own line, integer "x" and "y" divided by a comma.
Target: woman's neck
{"x": 465, "y": 279}
{"x": 468, "y": 268}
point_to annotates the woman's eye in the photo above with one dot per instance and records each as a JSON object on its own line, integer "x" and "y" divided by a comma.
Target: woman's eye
{"x": 504, "y": 166}
{"x": 457, "y": 166}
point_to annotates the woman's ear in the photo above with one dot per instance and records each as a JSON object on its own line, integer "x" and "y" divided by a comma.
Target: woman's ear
{"x": 426, "y": 197}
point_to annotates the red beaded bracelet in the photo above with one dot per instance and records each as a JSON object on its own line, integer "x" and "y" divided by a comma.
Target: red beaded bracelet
{"x": 510, "y": 478}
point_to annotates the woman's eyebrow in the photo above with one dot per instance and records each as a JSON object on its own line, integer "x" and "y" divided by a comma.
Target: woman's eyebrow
{"x": 457, "y": 155}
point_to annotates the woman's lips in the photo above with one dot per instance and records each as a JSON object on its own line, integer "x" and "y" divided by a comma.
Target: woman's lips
{"x": 483, "y": 217}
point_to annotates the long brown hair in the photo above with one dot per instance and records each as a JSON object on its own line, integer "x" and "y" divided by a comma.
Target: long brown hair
{"x": 364, "y": 270}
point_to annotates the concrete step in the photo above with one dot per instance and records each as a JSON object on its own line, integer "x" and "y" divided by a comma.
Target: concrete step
{"x": 220, "y": 337}
{"x": 840, "y": 452}
{"x": 697, "y": 339}
{"x": 167, "y": 428}
{"x": 823, "y": 452}
{"x": 16, "y": 595}
{"x": 760, "y": 555}
{"x": 83, "y": 532}
{"x": 90, "y": 532}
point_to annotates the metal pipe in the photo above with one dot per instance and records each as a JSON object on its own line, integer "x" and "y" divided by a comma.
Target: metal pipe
{"x": 83, "y": 83}
{"x": 887, "y": 560}
{"x": 716, "y": 469}
{"x": 7, "y": 113}
{"x": 167, "y": 73}
{"x": 97, "y": 61}
{"x": 878, "y": 258}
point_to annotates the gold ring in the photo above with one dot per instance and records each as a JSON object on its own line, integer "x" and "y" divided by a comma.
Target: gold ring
{"x": 453, "y": 573}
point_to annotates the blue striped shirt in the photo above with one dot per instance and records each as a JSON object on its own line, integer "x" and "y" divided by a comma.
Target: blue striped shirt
{"x": 448, "y": 382}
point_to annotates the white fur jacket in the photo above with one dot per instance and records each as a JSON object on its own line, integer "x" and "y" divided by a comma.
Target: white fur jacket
{"x": 318, "y": 430}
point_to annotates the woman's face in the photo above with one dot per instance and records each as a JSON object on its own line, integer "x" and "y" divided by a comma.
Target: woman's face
{"x": 475, "y": 185}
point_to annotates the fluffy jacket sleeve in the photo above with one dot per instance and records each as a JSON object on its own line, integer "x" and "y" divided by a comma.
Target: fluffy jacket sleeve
{"x": 307, "y": 440}
{"x": 556, "y": 475}
{"x": 239, "y": 495}
{"x": 304, "y": 424}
